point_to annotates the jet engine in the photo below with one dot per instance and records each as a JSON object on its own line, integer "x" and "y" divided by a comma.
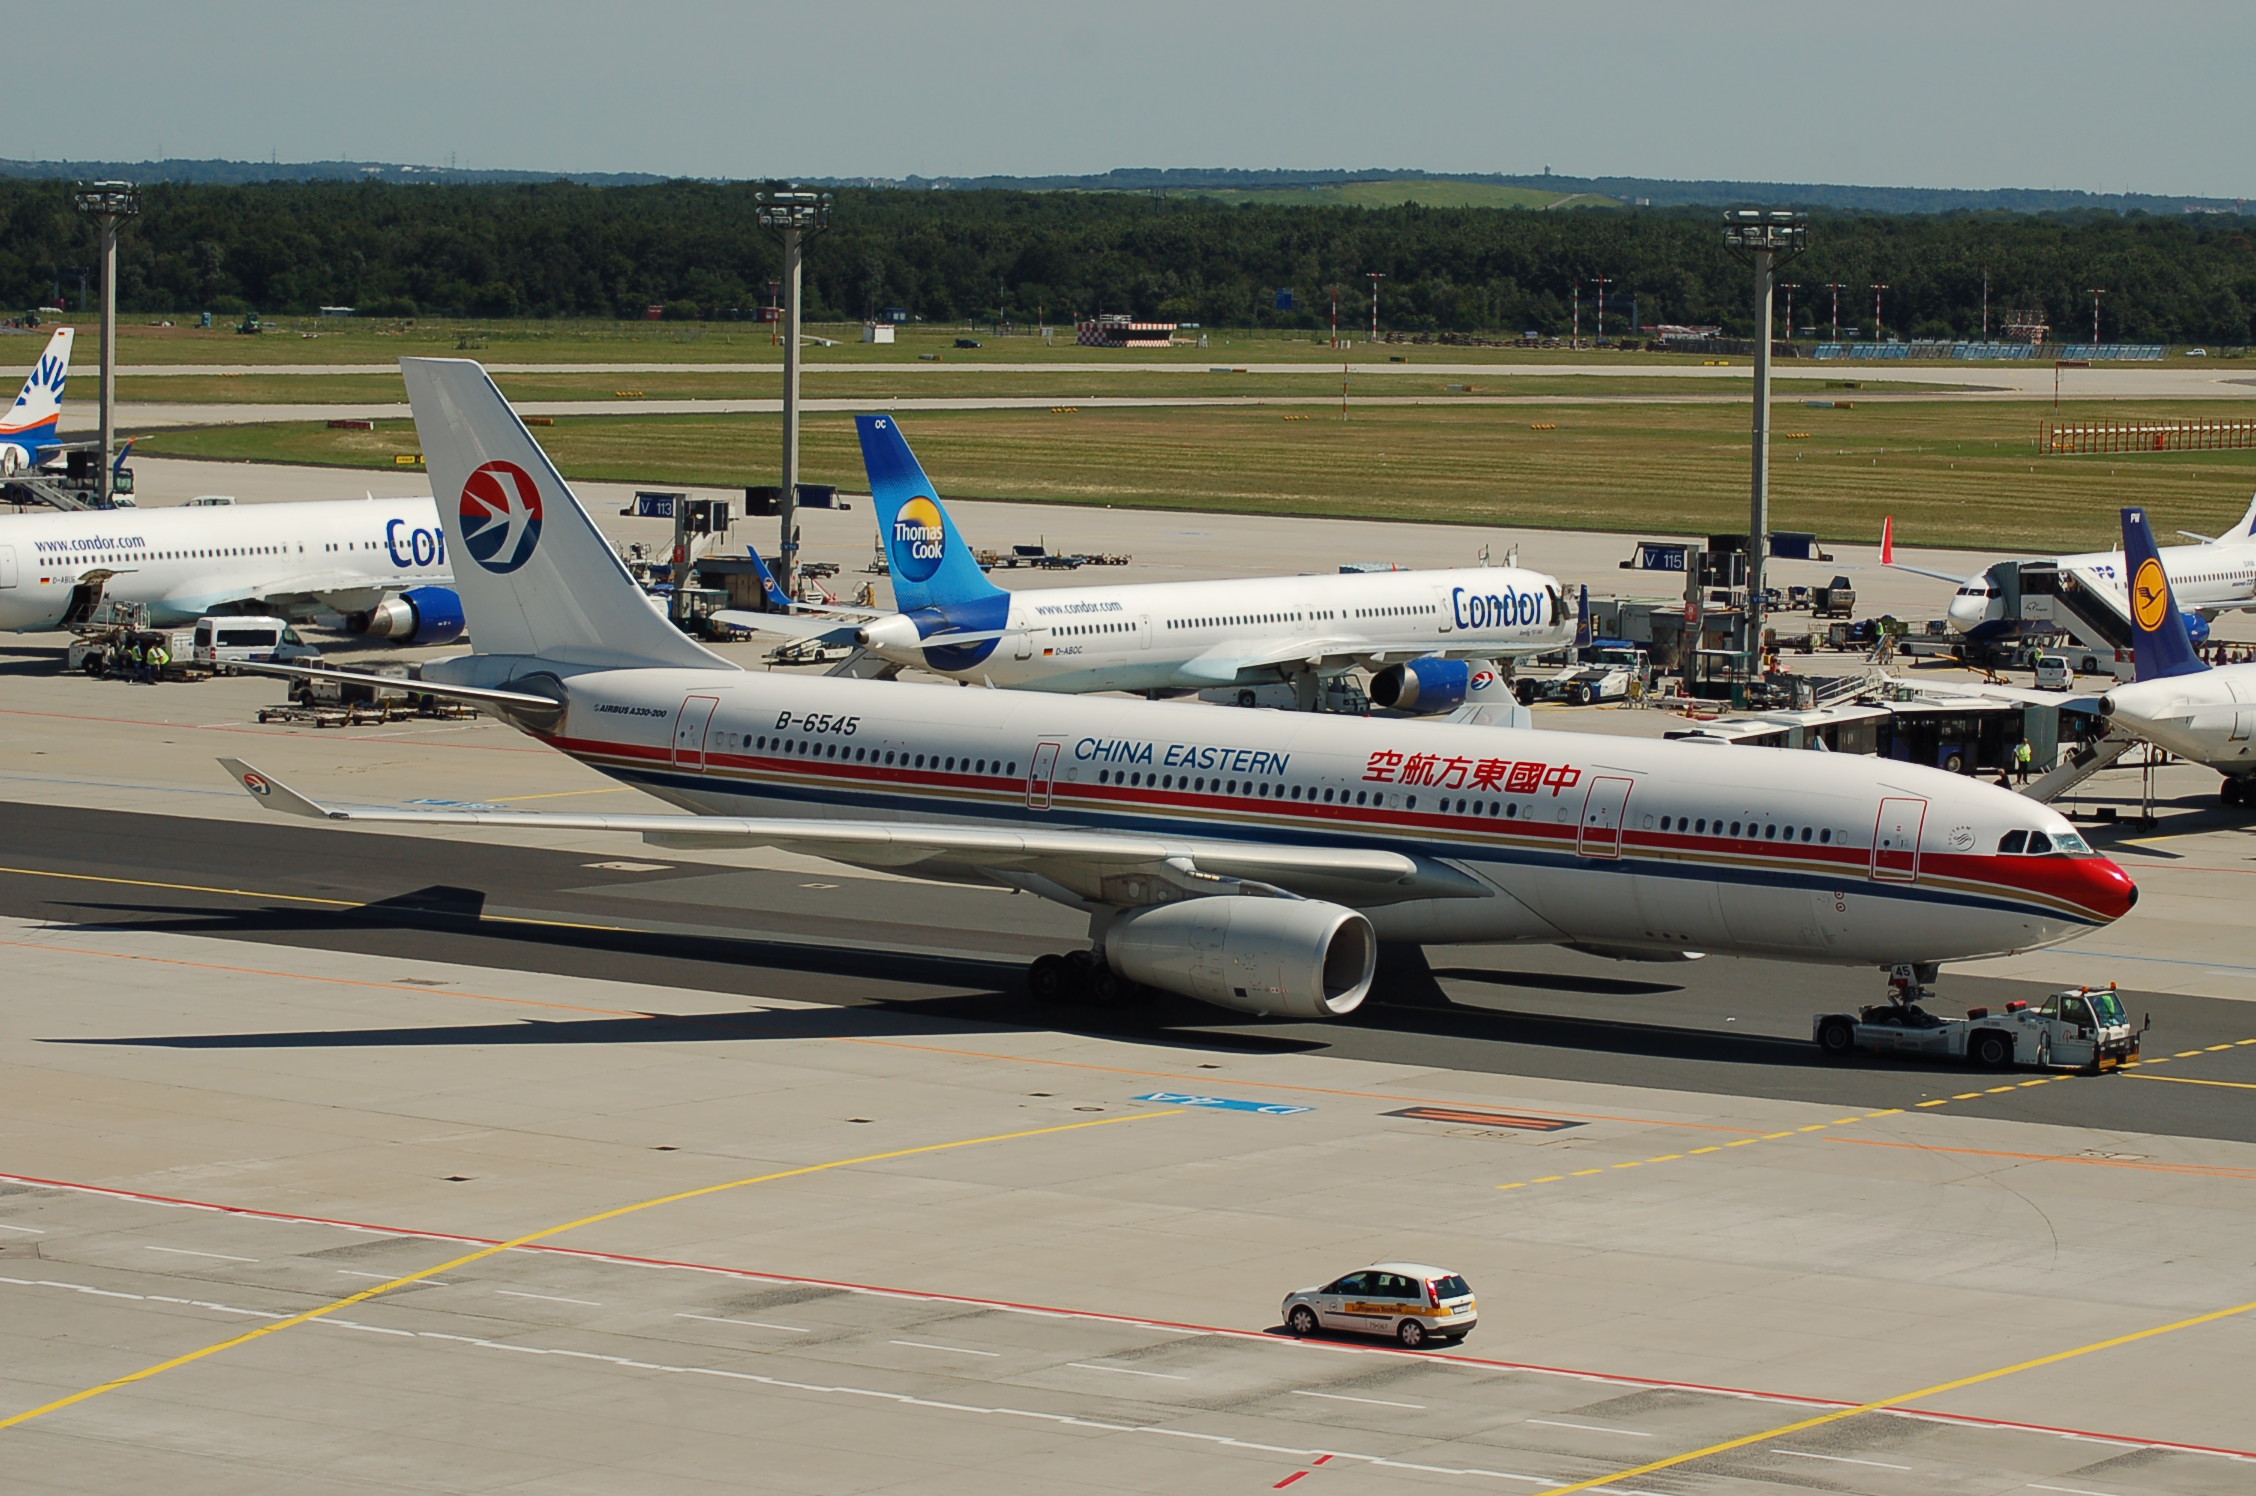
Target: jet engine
{"x": 11, "y": 459}
{"x": 1300, "y": 958}
{"x": 420, "y": 615}
{"x": 1425, "y": 685}
{"x": 2197, "y": 628}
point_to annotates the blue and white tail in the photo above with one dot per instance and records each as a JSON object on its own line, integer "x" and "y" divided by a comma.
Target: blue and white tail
{"x": 930, "y": 564}
{"x": 28, "y": 430}
{"x": 2246, "y": 529}
{"x": 2158, "y": 630}
{"x": 536, "y": 576}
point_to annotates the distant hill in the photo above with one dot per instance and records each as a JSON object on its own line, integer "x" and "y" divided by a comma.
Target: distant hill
{"x": 1371, "y": 187}
{"x": 1389, "y": 186}
{"x": 236, "y": 173}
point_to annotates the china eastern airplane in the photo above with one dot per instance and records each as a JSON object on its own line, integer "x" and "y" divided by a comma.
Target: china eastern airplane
{"x": 28, "y": 437}
{"x": 2213, "y": 576}
{"x": 1435, "y": 627}
{"x": 382, "y": 563}
{"x": 2200, "y": 712}
{"x": 1253, "y": 860}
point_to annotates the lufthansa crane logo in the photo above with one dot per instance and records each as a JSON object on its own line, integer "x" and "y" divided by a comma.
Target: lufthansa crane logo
{"x": 501, "y": 516}
{"x": 2150, "y": 595}
{"x": 919, "y": 539}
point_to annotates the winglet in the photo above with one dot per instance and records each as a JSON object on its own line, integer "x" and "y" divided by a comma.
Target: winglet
{"x": 274, "y": 794}
{"x": 1888, "y": 541}
{"x": 2161, "y": 643}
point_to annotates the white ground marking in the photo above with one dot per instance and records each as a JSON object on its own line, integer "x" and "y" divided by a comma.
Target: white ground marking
{"x": 1839, "y": 1459}
{"x": 548, "y": 1297}
{"x": 1126, "y": 1371}
{"x": 1376, "y": 1402}
{"x": 1588, "y": 1428}
{"x": 184, "y": 1252}
{"x": 953, "y": 1350}
{"x": 346, "y": 1272}
{"x": 2072, "y": 1490}
{"x": 27, "y": 1230}
{"x": 757, "y": 1324}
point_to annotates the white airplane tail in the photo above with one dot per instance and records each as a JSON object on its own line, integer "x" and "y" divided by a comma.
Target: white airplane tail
{"x": 30, "y": 426}
{"x": 2246, "y": 529}
{"x": 536, "y": 576}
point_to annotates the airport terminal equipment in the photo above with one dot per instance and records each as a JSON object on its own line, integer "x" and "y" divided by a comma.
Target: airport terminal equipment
{"x": 1430, "y": 833}
{"x": 107, "y": 203}
{"x": 799, "y": 214}
{"x": 2083, "y": 1028}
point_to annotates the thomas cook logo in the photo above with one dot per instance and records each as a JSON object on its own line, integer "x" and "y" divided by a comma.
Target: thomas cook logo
{"x": 2150, "y": 595}
{"x": 919, "y": 539}
{"x": 501, "y": 516}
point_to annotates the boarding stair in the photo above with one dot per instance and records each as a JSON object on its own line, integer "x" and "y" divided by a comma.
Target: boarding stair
{"x": 2086, "y": 760}
{"x": 2089, "y": 608}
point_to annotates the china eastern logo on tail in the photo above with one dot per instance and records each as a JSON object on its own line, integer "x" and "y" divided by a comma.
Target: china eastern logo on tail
{"x": 501, "y": 516}
{"x": 2150, "y": 595}
{"x": 919, "y": 539}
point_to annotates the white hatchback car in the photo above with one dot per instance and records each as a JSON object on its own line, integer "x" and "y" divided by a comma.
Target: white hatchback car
{"x": 1409, "y": 1301}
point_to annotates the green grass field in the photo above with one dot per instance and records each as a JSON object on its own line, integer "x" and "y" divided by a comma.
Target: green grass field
{"x": 1951, "y": 473}
{"x": 861, "y": 381}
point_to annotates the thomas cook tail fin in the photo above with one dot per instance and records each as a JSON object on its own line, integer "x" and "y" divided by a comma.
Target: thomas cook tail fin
{"x": 536, "y": 576}
{"x": 931, "y": 565}
{"x": 2164, "y": 646}
{"x": 30, "y": 424}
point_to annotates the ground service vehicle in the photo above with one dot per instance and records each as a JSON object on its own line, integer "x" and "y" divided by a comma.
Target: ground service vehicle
{"x": 1606, "y": 673}
{"x": 2080, "y": 1028}
{"x": 239, "y": 641}
{"x": 1837, "y": 599}
{"x": 1409, "y": 1302}
{"x": 2053, "y": 674}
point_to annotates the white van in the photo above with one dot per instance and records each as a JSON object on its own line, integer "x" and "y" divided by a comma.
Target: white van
{"x": 236, "y": 641}
{"x": 2053, "y": 673}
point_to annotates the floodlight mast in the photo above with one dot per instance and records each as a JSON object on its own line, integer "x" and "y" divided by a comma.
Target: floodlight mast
{"x": 798, "y": 213}
{"x": 106, "y": 203}
{"x": 1766, "y": 239}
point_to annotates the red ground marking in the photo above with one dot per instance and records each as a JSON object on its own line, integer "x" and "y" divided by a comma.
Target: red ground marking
{"x": 1607, "y": 1378}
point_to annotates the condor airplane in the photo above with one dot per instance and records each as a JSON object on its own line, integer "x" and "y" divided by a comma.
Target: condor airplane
{"x": 2200, "y": 712}
{"x": 1435, "y": 627}
{"x": 2213, "y": 576}
{"x": 1253, "y": 860}
{"x": 27, "y": 432}
{"x": 383, "y": 563}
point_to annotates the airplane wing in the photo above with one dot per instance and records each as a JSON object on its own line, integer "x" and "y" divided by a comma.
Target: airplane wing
{"x": 1888, "y": 557}
{"x": 790, "y": 625}
{"x": 1066, "y": 863}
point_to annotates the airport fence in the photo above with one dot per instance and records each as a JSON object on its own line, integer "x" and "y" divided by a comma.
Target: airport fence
{"x": 2083, "y": 352}
{"x": 2081, "y": 438}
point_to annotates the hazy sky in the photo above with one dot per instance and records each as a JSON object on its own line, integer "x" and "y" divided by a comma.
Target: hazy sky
{"x": 1969, "y": 93}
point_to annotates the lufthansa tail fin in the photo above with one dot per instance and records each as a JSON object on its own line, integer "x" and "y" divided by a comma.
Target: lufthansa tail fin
{"x": 536, "y": 576}
{"x": 931, "y": 565}
{"x": 39, "y": 404}
{"x": 2164, "y": 646}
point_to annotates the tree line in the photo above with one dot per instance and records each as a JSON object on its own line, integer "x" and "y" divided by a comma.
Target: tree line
{"x": 560, "y": 249}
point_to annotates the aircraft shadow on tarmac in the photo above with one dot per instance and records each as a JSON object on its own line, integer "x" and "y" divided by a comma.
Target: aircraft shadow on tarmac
{"x": 1410, "y": 1004}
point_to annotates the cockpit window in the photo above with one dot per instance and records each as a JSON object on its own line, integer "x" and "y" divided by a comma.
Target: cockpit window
{"x": 2013, "y": 843}
{"x": 2068, "y": 842}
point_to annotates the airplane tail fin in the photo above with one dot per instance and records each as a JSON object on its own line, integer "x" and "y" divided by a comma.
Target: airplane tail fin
{"x": 931, "y": 565}
{"x": 536, "y": 576}
{"x": 2158, "y": 630}
{"x": 2246, "y": 529}
{"x": 39, "y": 404}
{"x": 1888, "y": 541}
{"x": 768, "y": 587}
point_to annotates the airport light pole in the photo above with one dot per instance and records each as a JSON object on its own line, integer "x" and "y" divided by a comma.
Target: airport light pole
{"x": 1376, "y": 277}
{"x": 106, "y": 203}
{"x": 1877, "y": 288}
{"x": 798, "y": 213}
{"x": 1790, "y": 287}
{"x": 1765, "y": 239}
{"x": 1835, "y": 288}
{"x": 2096, "y": 293}
{"x": 1601, "y": 282}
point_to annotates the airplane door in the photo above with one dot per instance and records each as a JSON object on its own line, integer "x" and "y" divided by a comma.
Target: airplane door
{"x": 2244, "y": 711}
{"x": 1143, "y": 632}
{"x": 1603, "y": 811}
{"x": 7, "y": 566}
{"x": 1022, "y": 644}
{"x": 1039, "y": 775}
{"x": 691, "y": 724}
{"x": 1895, "y": 839}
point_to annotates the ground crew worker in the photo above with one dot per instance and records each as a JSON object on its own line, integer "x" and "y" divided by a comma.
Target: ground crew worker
{"x": 134, "y": 655}
{"x": 2022, "y": 754}
{"x": 158, "y": 658}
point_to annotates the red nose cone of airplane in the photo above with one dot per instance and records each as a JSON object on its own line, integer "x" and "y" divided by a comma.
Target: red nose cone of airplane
{"x": 2104, "y": 888}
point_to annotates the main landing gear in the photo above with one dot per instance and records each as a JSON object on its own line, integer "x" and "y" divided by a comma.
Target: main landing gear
{"x": 1079, "y": 978}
